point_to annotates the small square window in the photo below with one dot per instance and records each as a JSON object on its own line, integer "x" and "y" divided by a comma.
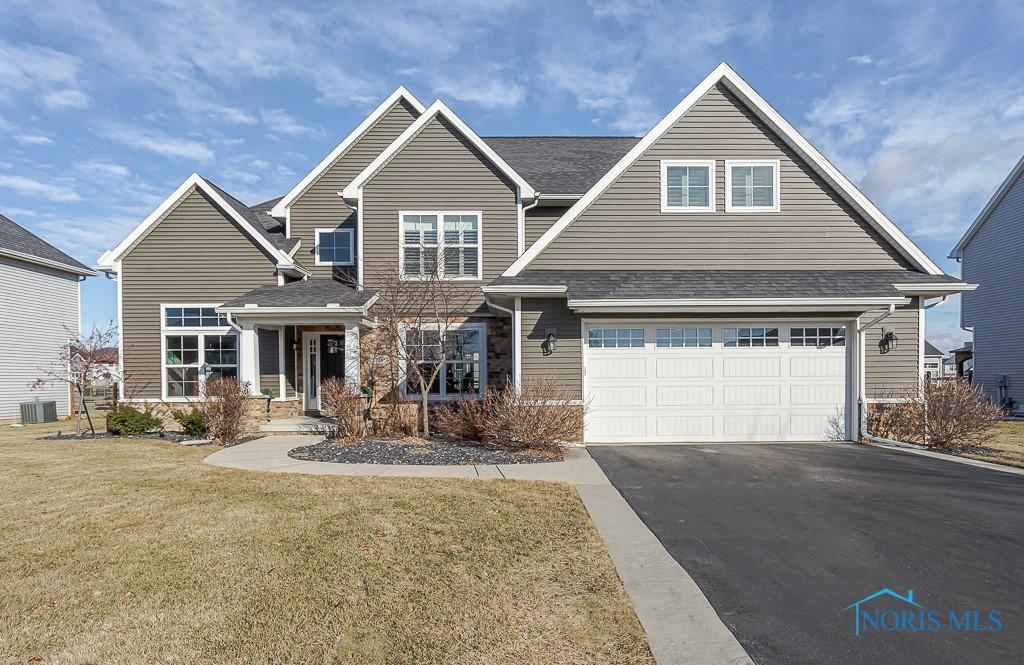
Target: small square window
{"x": 687, "y": 186}
{"x": 334, "y": 247}
{"x": 752, "y": 186}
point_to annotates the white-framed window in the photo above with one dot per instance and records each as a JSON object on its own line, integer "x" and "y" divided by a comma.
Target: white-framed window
{"x": 687, "y": 185}
{"x": 334, "y": 247}
{"x": 448, "y": 241}
{"x": 752, "y": 185}
{"x": 615, "y": 338}
{"x": 817, "y": 337}
{"x": 749, "y": 337}
{"x": 197, "y": 345}
{"x": 461, "y": 361}
{"x": 668, "y": 338}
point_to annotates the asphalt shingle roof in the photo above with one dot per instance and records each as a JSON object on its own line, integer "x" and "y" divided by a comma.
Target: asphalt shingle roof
{"x": 644, "y": 284}
{"x": 311, "y": 293}
{"x": 931, "y": 350}
{"x": 259, "y": 219}
{"x": 561, "y": 164}
{"x": 15, "y": 238}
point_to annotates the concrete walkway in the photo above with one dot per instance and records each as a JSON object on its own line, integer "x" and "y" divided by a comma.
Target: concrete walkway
{"x": 681, "y": 625}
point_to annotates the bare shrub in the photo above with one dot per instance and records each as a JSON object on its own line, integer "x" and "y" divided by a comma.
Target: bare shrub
{"x": 835, "y": 427}
{"x": 896, "y": 417}
{"x": 957, "y": 414}
{"x": 343, "y": 404}
{"x": 224, "y": 409}
{"x": 464, "y": 420}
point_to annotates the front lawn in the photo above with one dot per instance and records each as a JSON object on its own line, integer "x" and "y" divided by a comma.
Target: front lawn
{"x": 118, "y": 551}
{"x": 1006, "y": 448}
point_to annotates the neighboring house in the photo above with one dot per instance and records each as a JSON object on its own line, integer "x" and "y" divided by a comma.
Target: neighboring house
{"x": 932, "y": 363}
{"x": 990, "y": 255}
{"x": 715, "y": 279}
{"x": 39, "y": 313}
{"x": 963, "y": 361}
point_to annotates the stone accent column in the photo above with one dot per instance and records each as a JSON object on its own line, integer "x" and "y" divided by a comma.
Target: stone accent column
{"x": 352, "y": 377}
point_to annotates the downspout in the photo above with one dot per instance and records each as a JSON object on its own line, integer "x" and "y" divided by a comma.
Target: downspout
{"x": 522, "y": 239}
{"x": 862, "y": 401}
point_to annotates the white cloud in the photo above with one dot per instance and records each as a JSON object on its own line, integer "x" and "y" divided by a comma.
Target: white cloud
{"x": 162, "y": 144}
{"x": 863, "y": 59}
{"x": 101, "y": 168}
{"x": 280, "y": 121}
{"x": 28, "y": 71}
{"x": 33, "y": 139}
{"x": 29, "y": 187}
{"x": 490, "y": 87}
{"x": 66, "y": 99}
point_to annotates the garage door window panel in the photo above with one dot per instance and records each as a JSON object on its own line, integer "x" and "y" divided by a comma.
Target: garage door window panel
{"x": 750, "y": 337}
{"x": 611, "y": 338}
{"x": 817, "y": 337}
{"x": 672, "y": 338}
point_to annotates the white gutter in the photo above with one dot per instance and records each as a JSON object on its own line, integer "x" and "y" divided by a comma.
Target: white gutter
{"x": 724, "y": 305}
{"x": 526, "y": 289}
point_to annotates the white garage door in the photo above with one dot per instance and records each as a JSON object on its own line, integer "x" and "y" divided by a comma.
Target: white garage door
{"x": 677, "y": 381}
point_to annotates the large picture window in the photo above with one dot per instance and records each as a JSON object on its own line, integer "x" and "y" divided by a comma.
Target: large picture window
{"x": 445, "y": 242}
{"x": 198, "y": 346}
{"x": 460, "y": 362}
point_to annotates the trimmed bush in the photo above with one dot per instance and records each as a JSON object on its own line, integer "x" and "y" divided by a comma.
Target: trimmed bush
{"x": 129, "y": 421}
{"x": 192, "y": 422}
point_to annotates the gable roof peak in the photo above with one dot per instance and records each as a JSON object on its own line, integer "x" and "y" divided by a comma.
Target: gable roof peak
{"x": 1016, "y": 172}
{"x": 400, "y": 93}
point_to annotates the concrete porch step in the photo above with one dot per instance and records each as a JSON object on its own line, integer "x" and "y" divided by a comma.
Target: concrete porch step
{"x": 296, "y": 425}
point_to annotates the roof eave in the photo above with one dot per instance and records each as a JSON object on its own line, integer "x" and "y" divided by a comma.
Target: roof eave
{"x": 49, "y": 263}
{"x": 732, "y": 305}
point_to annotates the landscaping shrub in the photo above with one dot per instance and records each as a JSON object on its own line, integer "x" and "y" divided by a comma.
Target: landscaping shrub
{"x": 191, "y": 422}
{"x": 896, "y": 418}
{"x": 345, "y": 405}
{"x": 540, "y": 415}
{"x": 224, "y": 409}
{"x": 129, "y": 421}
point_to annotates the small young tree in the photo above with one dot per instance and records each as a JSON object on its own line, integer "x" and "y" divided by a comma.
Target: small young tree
{"x": 81, "y": 362}
{"x": 417, "y": 331}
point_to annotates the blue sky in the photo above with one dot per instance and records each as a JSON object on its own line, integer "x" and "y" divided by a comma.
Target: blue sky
{"x": 106, "y": 107}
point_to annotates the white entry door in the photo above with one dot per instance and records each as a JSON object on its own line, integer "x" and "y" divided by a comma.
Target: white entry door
{"x": 681, "y": 381}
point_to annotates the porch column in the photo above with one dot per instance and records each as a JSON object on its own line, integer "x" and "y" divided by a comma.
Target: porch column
{"x": 352, "y": 377}
{"x": 248, "y": 357}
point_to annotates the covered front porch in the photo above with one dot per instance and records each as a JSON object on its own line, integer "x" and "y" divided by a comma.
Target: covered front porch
{"x": 292, "y": 337}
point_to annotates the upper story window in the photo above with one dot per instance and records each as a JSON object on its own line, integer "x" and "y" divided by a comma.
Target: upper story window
{"x": 752, "y": 186}
{"x": 334, "y": 247}
{"x": 193, "y": 317}
{"x": 687, "y": 186}
{"x": 453, "y": 251}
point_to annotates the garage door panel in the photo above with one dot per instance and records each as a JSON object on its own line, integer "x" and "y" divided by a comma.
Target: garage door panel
{"x": 666, "y": 396}
{"x": 750, "y": 367}
{"x": 744, "y": 395}
{"x": 685, "y": 426}
{"x": 713, "y": 393}
{"x": 684, "y": 368}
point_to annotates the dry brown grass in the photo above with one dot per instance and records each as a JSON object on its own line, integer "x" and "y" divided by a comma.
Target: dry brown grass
{"x": 128, "y": 551}
{"x": 1007, "y": 447}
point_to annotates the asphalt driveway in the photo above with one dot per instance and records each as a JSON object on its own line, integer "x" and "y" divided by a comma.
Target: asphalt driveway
{"x": 782, "y": 537}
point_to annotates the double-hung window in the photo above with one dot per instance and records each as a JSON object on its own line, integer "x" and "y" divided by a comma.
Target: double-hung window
{"x": 451, "y": 370}
{"x": 752, "y": 186}
{"x": 198, "y": 346}
{"x": 443, "y": 242}
{"x": 687, "y": 186}
{"x": 334, "y": 247}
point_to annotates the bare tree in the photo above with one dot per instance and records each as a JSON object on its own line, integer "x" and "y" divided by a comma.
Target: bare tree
{"x": 418, "y": 331}
{"x": 80, "y": 363}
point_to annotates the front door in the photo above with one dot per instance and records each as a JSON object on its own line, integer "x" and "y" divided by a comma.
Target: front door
{"x": 324, "y": 358}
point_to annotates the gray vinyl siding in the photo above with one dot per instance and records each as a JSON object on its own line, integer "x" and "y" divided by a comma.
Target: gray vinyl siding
{"x": 38, "y": 312}
{"x": 625, "y": 227}
{"x": 565, "y": 365}
{"x": 195, "y": 255}
{"x": 321, "y": 207}
{"x": 993, "y": 260}
{"x": 268, "y": 361}
{"x": 898, "y": 370}
{"x": 440, "y": 170}
{"x": 538, "y": 220}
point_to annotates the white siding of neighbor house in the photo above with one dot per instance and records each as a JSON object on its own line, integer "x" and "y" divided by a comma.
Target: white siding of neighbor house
{"x": 992, "y": 260}
{"x": 38, "y": 308}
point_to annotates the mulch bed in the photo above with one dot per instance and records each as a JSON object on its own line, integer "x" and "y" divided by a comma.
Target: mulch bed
{"x": 414, "y": 451}
{"x": 70, "y": 436}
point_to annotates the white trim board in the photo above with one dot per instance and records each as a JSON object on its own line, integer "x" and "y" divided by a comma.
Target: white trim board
{"x": 958, "y": 251}
{"x": 194, "y": 181}
{"x": 280, "y": 209}
{"x": 724, "y": 305}
{"x": 352, "y": 191}
{"x": 726, "y": 75}
{"x": 49, "y": 263}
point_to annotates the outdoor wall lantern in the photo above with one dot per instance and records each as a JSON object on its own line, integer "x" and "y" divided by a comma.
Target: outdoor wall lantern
{"x": 889, "y": 341}
{"x": 550, "y": 343}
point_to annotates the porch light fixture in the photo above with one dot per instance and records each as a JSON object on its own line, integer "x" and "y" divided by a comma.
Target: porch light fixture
{"x": 550, "y": 343}
{"x": 888, "y": 342}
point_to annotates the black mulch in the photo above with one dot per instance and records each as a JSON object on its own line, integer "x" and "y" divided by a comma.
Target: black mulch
{"x": 175, "y": 437}
{"x": 399, "y": 451}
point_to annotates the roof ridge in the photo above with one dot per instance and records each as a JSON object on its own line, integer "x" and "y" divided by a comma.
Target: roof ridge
{"x": 560, "y": 136}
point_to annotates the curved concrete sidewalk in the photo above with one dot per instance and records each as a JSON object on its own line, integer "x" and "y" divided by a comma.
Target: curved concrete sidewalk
{"x": 681, "y": 625}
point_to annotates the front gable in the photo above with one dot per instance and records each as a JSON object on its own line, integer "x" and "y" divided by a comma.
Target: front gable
{"x": 625, "y": 227}
{"x": 320, "y": 206}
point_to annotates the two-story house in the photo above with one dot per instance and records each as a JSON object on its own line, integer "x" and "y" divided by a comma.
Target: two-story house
{"x": 715, "y": 279}
{"x": 990, "y": 255}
